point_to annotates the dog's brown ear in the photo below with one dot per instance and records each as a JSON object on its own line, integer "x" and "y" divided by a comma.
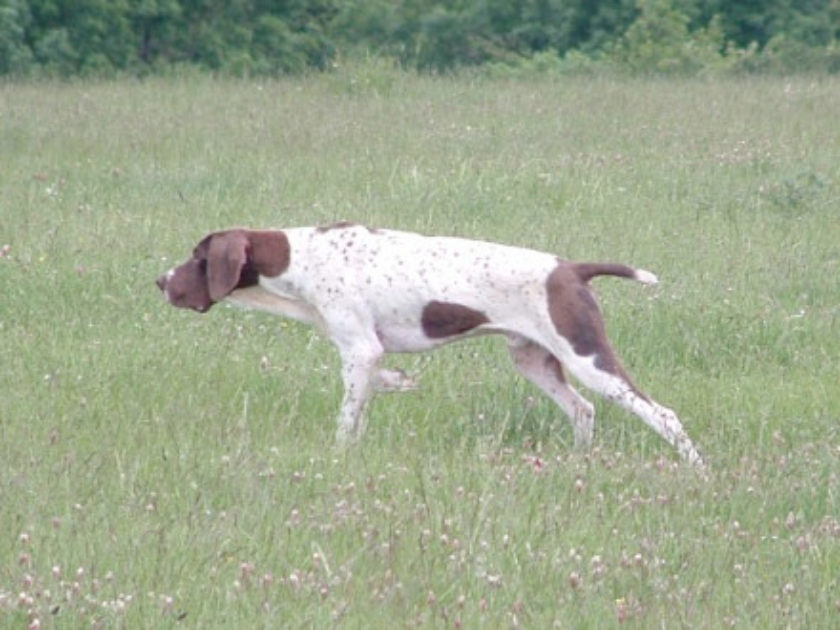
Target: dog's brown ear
{"x": 226, "y": 256}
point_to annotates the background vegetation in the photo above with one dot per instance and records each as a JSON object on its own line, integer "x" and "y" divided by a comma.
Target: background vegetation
{"x": 261, "y": 37}
{"x": 163, "y": 469}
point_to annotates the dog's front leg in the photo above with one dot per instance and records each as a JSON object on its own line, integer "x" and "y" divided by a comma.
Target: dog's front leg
{"x": 360, "y": 364}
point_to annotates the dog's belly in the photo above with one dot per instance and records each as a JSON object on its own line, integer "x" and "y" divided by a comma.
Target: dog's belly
{"x": 411, "y": 338}
{"x": 396, "y": 338}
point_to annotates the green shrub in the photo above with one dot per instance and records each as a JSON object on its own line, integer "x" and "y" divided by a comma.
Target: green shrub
{"x": 15, "y": 55}
{"x": 659, "y": 42}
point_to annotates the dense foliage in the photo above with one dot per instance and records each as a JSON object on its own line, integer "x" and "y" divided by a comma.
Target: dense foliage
{"x": 265, "y": 37}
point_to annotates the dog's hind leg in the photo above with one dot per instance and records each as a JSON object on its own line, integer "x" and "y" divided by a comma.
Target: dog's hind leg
{"x": 544, "y": 370}
{"x": 579, "y": 340}
{"x": 614, "y": 385}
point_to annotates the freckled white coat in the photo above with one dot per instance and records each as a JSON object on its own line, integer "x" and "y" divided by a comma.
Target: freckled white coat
{"x": 373, "y": 291}
{"x": 385, "y": 278}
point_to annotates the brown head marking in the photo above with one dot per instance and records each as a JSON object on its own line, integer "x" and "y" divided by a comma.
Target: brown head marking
{"x": 224, "y": 261}
{"x": 186, "y": 286}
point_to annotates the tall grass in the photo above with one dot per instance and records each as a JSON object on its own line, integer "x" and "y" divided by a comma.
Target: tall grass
{"x": 164, "y": 469}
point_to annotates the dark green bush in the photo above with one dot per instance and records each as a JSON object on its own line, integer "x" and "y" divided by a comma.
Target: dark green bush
{"x": 271, "y": 37}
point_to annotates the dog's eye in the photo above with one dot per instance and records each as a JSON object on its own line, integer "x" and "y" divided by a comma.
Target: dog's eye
{"x": 202, "y": 265}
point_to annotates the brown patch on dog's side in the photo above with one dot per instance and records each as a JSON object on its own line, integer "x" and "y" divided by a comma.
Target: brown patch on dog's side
{"x": 447, "y": 319}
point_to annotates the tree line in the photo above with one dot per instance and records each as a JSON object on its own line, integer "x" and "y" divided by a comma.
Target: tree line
{"x": 275, "y": 37}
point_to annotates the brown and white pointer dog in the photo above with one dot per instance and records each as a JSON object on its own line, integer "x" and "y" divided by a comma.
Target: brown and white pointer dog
{"x": 374, "y": 291}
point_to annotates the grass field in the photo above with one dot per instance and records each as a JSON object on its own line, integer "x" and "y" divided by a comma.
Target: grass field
{"x": 162, "y": 469}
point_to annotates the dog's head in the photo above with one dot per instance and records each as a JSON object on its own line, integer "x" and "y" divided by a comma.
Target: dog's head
{"x": 223, "y": 262}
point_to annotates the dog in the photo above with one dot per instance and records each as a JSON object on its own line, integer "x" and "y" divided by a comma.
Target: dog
{"x": 375, "y": 291}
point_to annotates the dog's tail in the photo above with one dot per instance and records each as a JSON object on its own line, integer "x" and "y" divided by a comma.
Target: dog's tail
{"x": 588, "y": 270}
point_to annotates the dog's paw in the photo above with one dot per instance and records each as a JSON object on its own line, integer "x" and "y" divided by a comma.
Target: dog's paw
{"x": 394, "y": 381}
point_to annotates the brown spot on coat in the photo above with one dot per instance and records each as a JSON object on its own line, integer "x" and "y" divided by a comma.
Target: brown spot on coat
{"x": 342, "y": 225}
{"x": 447, "y": 319}
{"x": 338, "y": 225}
{"x": 269, "y": 253}
{"x": 576, "y": 316}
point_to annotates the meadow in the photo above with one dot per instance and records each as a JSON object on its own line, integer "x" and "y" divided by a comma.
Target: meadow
{"x": 164, "y": 469}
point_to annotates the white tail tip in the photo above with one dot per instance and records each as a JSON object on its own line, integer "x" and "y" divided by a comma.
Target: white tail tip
{"x": 646, "y": 277}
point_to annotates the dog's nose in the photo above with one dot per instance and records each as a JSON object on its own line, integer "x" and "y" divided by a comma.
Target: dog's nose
{"x": 161, "y": 282}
